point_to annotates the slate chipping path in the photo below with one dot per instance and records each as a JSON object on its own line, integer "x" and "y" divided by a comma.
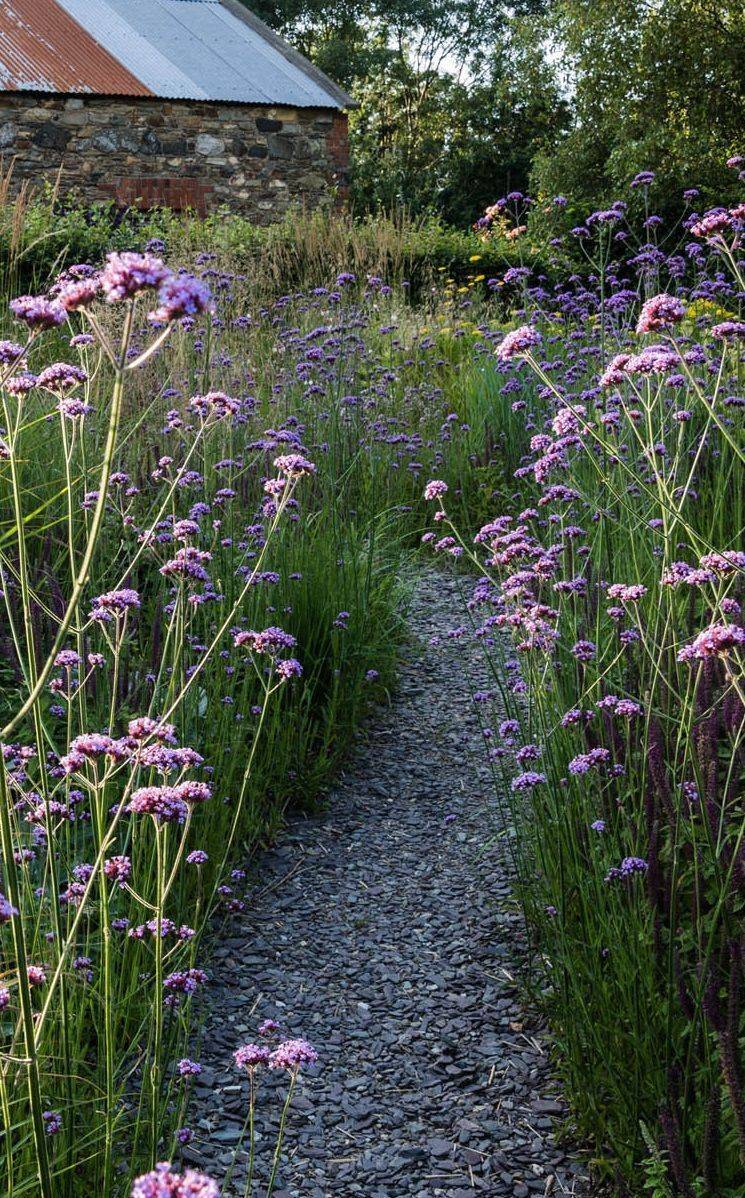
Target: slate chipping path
{"x": 386, "y": 936}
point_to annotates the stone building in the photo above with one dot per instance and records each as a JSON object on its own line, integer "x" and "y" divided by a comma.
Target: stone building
{"x": 188, "y": 103}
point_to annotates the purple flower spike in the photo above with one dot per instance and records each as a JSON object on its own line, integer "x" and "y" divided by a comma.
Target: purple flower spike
{"x": 114, "y": 604}
{"x": 52, "y": 1122}
{"x": 269, "y": 1027}
{"x": 7, "y": 910}
{"x": 660, "y": 312}
{"x": 435, "y": 489}
{"x": 518, "y": 342}
{"x": 37, "y": 311}
{"x": 179, "y": 296}
{"x": 293, "y": 465}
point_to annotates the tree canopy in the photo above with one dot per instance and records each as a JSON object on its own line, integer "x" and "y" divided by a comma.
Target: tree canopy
{"x": 461, "y": 100}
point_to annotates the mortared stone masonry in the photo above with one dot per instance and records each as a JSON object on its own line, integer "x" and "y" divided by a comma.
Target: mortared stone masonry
{"x": 181, "y": 153}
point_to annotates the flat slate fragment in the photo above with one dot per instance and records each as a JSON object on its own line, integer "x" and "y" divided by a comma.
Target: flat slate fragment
{"x": 387, "y": 935}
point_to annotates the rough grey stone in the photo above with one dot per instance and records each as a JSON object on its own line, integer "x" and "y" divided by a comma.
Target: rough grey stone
{"x": 52, "y": 136}
{"x": 209, "y": 145}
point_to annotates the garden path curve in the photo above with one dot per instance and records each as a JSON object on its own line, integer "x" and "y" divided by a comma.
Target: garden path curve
{"x": 384, "y": 932}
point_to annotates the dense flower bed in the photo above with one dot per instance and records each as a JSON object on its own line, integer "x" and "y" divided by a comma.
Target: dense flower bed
{"x": 204, "y": 505}
{"x": 617, "y": 717}
{"x": 207, "y": 495}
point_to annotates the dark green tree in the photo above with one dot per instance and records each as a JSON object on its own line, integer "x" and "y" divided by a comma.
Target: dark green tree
{"x": 462, "y": 100}
{"x": 655, "y": 86}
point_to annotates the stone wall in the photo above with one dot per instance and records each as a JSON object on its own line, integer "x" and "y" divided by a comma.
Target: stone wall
{"x": 184, "y": 153}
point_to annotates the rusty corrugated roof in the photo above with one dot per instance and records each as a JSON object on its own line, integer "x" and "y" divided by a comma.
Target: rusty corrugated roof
{"x": 177, "y": 49}
{"x": 42, "y": 48}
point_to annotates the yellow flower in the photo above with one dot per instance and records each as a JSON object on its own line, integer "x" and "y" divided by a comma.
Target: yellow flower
{"x": 475, "y": 258}
{"x": 479, "y": 278}
{"x": 704, "y": 307}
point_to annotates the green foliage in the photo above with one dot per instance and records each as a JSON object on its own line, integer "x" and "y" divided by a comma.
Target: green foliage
{"x": 656, "y": 87}
{"x": 514, "y": 112}
{"x": 433, "y": 141}
{"x": 649, "y": 1025}
{"x": 302, "y": 250}
{"x": 461, "y": 102}
{"x": 455, "y": 97}
{"x": 654, "y": 1168}
{"x": 341, "y": 543}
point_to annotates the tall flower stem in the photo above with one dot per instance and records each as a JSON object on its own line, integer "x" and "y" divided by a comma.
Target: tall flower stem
{"x": 99, "y": 815}
{"x": 27, "y": 602}
{"x": 24, "y": 991}
{"x": 280, "y": 1135}
{"x": 5, "y": 1107}
{"x": 155, "y": 1066}
{"x": 251, "y": 1134}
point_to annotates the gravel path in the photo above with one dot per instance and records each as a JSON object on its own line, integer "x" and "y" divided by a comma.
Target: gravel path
{"x": 384, "y": 932}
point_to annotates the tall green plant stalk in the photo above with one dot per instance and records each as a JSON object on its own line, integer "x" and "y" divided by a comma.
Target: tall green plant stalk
{"x": 31, "y": 1062}
{"x": 280, "y": 1135}
{"x": 156, "y": 1067}
{"x": 108, "y": 996}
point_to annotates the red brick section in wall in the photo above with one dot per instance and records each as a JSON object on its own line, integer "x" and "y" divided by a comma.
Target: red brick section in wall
{"x": 338, "y": 151}
{"x": 141, "y": 192}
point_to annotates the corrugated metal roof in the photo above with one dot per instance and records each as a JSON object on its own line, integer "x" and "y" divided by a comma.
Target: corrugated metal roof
{"x": 43, "y": 49}
{"x": 133, "y": 32}
{"x": 177, "y": 49}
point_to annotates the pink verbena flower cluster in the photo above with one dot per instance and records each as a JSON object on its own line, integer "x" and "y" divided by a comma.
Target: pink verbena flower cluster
{"x": 163, "y": 1182}
{"x": 518, "y": 342}
{"x": 719, "y": 640}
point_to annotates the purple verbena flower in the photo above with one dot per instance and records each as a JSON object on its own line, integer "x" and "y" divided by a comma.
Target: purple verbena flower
{"x": 719, "y": 640}
{"x": 527, "y": 781}
{"x": 292, "y": 1055}
{"x": 127, "y": 274}
{"x": 293, "y": 465}
{"x": 181, "y": 295}
{"x": 162, "y": 1182}
{"x": 248, "y": 1056}
{"x": 52, "y": 1122}
{"x": 188, "y": 1068}
{"x": 7, "y": 910}
{"x": 288, "y": 669}
{"x": 37, "y": 311}
{"x": 114, "y": 604}
{"x": 660, "y": 312}
{"x": 518, "y": 342}
{"x": 161, "y": 802}
{"x": 435, "y": 489}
